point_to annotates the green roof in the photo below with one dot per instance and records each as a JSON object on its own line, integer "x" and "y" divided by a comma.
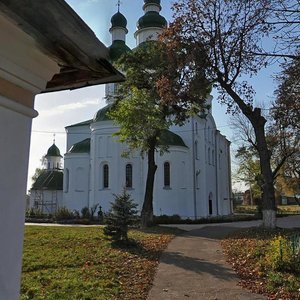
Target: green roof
{"x": 151, "y": 19}
{"x": 152, "y": 1}
{"x": 49, "y": 180}
{"x": 118, "y": 20}
{"x": 81, "y": 147}
{"x": 84, "y": 123}
{"x": 169, "y": 138}
{"x": 117, "y": 48}
{"x": 101, "y": 114}
{"x": 147, "y": 2}
{"x": 53, "y": 151}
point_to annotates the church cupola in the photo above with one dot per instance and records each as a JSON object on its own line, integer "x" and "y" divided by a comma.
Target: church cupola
{"x": 118, "y": 32}
{"x": 53, "y": 158}
{"x": 150, "y": 25}
{"x": 118, "y": 47}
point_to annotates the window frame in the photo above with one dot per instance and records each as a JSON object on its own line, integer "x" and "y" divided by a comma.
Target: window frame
{"x": 105, "y": 174}
{"x": 167, "y": 174}
{"x": 129, "y": 176}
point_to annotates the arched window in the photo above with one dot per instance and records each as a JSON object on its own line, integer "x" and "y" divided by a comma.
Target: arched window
{"x": 105, "y": 176}
{"x": 208, "y": 155}
{"x": 213, "y": 157}
{"x": 210, "y": 204}
{"x": 128, "y": 172}
{"x": 167, "y": 174}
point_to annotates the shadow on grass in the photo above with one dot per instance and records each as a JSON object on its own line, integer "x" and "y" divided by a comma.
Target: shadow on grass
{"x": 136, "y": 248}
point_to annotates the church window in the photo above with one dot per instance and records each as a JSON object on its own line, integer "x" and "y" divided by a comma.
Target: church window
{"x": 210, "y": 204}
{"x": 105, "y": 176}
{"x": 213, "y": 157}
{"x": 167, "y": 174}
{"x": 129, "y": 176}
{"x": 208, "y": 155}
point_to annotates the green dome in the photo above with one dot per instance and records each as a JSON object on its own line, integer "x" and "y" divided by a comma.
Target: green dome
{"x": 169, "y": 138}
{"x": 151, "y": 19}
{"x": 152, "y": 2}
{"x": 118, "y": 20}
{"x": 117, "y": 48}
{"x": 101, "y": 114}
{"x": 81, "y": 147}
{"x": 53, "y": 151}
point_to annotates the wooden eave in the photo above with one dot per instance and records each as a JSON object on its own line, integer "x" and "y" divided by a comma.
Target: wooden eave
{"x": 63, "y": 36}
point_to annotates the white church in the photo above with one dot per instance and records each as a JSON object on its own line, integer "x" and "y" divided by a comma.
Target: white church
{"x": 193, "y": 179}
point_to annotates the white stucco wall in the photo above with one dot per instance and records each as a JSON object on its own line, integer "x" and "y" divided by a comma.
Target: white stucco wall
{"x": 77, "y": 134}
{"x": 76, "y": 181}
{"x": 14, "y": 141}
{"x": 198, "y": 174}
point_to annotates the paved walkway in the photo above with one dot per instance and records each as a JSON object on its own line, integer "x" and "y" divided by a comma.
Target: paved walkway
{"x": 193, "y": 266}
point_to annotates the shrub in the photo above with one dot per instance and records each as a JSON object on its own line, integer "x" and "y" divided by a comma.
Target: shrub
{"x": 93, "y": 210}
{"x": 34, "y": 213}
{"x": 85, "y": 213}
{"x": 122, "y": 214}
{"x": 63, "y": 214}
{"x": 284, "y": 254}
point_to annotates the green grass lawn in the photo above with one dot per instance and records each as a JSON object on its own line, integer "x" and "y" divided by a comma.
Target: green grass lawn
{"x": 80, "y": 263}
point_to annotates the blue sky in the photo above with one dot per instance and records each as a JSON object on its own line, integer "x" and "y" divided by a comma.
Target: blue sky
{"x": 60, "y": 109}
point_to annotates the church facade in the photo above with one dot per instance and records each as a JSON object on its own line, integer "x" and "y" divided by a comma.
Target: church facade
{"x": 193, "y": 178}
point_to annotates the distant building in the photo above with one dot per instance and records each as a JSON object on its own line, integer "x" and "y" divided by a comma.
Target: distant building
{"x": 46, "y": 193}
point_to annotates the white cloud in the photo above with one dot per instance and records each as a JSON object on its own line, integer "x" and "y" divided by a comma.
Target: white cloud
{"x": 61, "y": 109}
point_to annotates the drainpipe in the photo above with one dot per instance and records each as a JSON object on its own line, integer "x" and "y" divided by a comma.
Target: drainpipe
{"x": 194, "y": 169}
{"x": 216, "y": 172}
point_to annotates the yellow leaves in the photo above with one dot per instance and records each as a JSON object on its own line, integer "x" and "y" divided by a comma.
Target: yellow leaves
{"x": 253, "y": 254}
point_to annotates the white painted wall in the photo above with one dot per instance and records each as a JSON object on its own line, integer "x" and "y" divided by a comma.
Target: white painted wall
{"x": 76, "y": 181}
{"x": 14, "y": 141}
{"x": 147, "y": 34}
{"x": 77, "y": 134}
{"x": 184, "y": 196}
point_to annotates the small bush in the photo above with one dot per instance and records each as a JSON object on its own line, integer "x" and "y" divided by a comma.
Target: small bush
{"x": 123, "y": 213}
{"x": 284, "y": 254}
{"x": 34, "y": 213}
{"x": 63, "y": 214}
{"x": 85, "y": 213}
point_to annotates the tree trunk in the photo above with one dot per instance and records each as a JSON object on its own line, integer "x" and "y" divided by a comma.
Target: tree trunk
{"x": 147, "y": 210}
{"x": 268, "y": 204}
{"x": 258, "y": 122}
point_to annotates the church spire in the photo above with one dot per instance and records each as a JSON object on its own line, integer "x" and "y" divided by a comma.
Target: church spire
{"x": 118, "y": 47}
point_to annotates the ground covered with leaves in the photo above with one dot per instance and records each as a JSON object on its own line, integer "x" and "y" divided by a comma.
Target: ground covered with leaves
{"x": 80, "y": 263}
{"x": 267, "y": 262}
